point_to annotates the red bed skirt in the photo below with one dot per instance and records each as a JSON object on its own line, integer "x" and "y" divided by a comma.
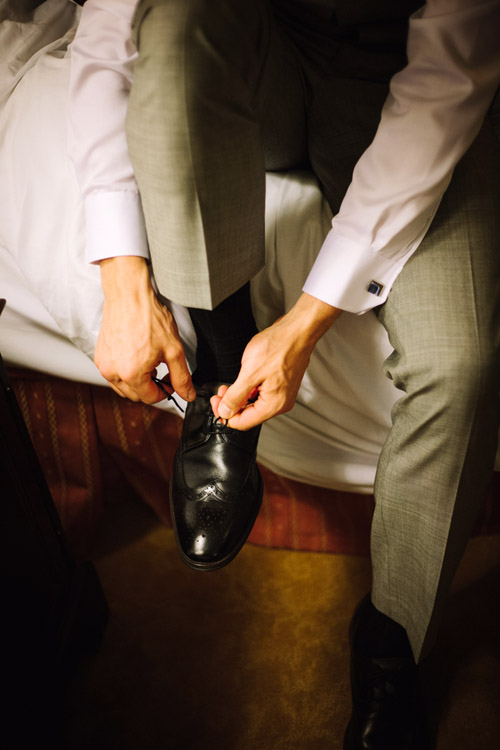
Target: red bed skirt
{"x": 95, "y": 447}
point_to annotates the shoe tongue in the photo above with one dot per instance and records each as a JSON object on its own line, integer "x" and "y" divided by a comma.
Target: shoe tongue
{"x": 208, "y": 389}
{"x": 212, "y": 424}
{"x": 200, "y": 421}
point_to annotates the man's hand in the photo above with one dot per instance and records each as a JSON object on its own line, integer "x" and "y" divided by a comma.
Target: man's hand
{"x": 137, "y": 334}
{"x": 273, "y": 365}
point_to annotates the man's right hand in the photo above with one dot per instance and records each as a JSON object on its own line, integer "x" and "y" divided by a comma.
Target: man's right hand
{"x": 137, "y": 334}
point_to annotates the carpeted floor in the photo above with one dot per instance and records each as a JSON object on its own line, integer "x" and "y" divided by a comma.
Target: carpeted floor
{"x": 254, "y": 657}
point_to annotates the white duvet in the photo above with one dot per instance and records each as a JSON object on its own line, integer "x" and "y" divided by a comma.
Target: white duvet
{"x": 335, "y": 432}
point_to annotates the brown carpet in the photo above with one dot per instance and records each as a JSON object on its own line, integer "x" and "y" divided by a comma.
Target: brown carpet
{"x": 254, "y": 657}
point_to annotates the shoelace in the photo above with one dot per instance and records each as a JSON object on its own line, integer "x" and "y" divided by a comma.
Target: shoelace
{"x": 160, "y": 384}
{"x": 169, "y": 396}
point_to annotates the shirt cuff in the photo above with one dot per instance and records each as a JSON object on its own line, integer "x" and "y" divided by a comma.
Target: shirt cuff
{"x": 114, "y": 225}
{"x": 350, "y": 277}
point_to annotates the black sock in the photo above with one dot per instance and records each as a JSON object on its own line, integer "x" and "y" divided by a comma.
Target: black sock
{"x": 222, "y": 335}
{"x": 377, "y": 635}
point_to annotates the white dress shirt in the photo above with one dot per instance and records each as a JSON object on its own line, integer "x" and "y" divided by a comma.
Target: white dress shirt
{"x": 102, "y": 61}
{"x": 434, "y": 111}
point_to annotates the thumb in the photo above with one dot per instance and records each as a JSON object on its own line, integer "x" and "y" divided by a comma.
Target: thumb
{"x": 235, "y": 397}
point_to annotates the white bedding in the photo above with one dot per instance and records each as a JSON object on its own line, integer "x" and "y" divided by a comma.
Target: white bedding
{"x": 335, "y": 432}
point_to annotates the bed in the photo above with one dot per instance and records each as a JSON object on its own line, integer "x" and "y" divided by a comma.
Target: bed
{"x": 329, "y": 441}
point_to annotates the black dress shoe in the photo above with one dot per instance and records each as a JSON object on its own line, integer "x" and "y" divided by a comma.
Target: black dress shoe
{"x": 387, "y": 706}
{"x": 216, "y": 487}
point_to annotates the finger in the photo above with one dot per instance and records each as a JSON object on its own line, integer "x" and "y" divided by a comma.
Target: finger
{"x": 249, "y": 417}
{"x": 216, "y": 399}
{"x": 179, "y": 374}
{"x": 137, "y": 387}
{"x": 116, "y": 389}
{"x": 123, "y": 390}
{"x": 235, "y": 398}
{"x": 214, "y": 402}
{"x": 167, "y": 390}
{"x": 164, "y": 383}
{"x": 147, "y": 391}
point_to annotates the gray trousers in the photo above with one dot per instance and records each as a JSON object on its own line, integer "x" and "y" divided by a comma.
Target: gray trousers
{"x": 227, "y": 89}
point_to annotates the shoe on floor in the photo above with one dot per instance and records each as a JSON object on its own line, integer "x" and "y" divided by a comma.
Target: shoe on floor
{"x": 387, "y": 706}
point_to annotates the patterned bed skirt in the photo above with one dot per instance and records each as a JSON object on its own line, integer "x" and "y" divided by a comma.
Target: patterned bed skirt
{"x": 96, "y": 448}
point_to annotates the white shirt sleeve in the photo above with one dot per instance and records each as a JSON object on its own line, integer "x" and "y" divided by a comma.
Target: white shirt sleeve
{"x": 102, "y": 59}
{"x": 433, "y": 112}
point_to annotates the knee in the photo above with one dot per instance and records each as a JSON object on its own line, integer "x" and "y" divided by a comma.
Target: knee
{"x": 449, "y": 369}
{"x": 189, "y": 23}
{"x": 459, "y": 378}
{"x": 160, "y": 24}
{"x": 171, "y": 9}
{"x": 471, "y": 373}
{"x": 214, "y": 46}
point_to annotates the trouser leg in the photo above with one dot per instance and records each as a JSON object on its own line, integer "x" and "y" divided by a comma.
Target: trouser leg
{"x": 443, "y": 320}
{"x": 442, "y": 317}
{"x": 210, "y": 77}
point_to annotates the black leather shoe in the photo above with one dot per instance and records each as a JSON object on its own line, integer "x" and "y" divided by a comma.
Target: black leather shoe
{"x": 387, "y": 706}
{"x": 216, "y": 487}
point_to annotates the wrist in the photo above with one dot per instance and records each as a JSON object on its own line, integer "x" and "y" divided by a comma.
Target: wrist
{"x": 127, "y": 274}
{"x": 312, "y": 316}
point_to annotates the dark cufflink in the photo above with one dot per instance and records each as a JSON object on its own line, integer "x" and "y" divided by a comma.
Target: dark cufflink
{"x": 375, "y": 288}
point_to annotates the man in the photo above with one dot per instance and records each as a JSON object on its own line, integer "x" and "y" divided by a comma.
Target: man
{"x": 217, "y": 488}
{"x": 226, "y": 89}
